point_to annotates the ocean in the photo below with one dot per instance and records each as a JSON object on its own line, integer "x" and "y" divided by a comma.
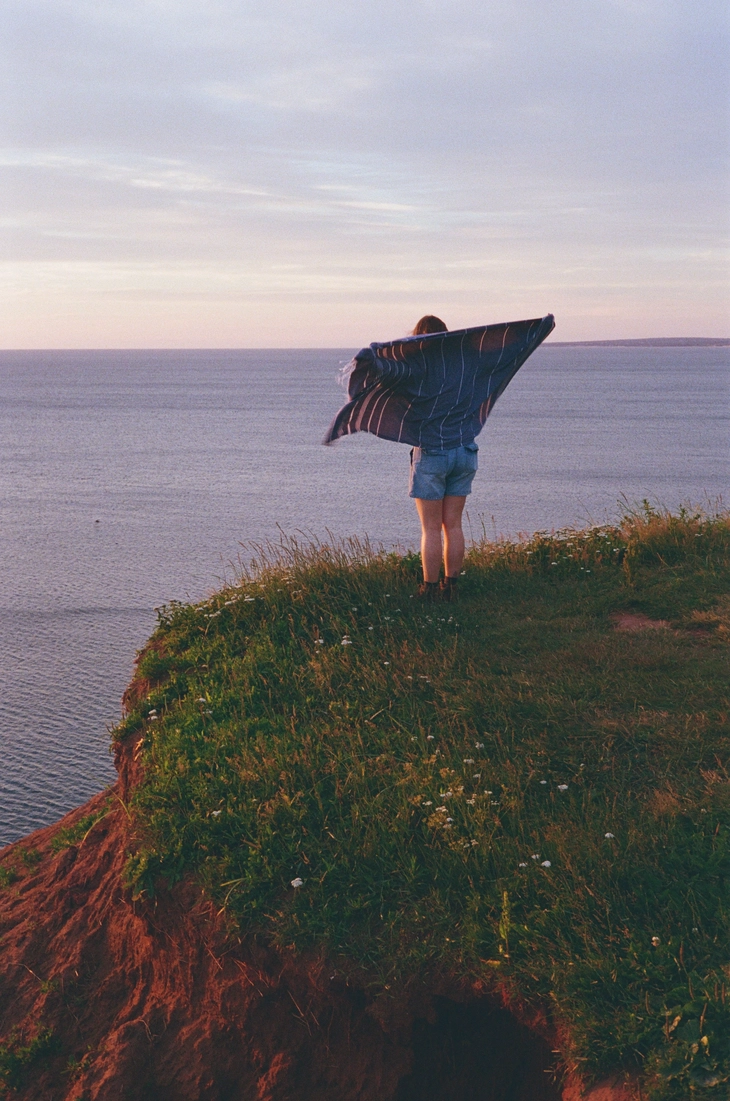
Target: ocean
{"x": 132, "y": 478}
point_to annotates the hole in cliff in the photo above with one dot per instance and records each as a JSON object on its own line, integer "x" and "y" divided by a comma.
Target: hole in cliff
{"x": 476, "y": 1052}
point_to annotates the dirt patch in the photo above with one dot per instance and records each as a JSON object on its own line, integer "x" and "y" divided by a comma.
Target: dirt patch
{"x": 637, "y": 621}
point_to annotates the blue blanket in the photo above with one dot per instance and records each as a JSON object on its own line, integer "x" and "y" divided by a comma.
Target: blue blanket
{"x": 435, "y": 391}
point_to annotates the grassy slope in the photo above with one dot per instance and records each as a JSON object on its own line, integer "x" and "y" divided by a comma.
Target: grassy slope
{"x": 411, "y": 777}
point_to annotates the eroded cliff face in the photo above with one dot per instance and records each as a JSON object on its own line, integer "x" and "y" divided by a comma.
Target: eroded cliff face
{"x": 103, "y": 999}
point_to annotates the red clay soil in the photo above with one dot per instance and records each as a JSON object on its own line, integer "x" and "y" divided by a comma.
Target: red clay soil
{"x": 151, "y": 1002}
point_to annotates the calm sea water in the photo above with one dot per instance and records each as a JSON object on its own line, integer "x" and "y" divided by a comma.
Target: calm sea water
{"x": 131, "y": 478}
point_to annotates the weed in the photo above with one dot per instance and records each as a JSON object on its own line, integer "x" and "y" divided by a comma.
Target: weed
{"x": 77, "y": 834}
{"x": 19, "y": 1059}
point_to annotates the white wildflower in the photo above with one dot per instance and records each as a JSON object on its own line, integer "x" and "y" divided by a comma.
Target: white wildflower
{"x": 216, "y": 813}
{"x": 297, "y": 882}
{"x": 442, "y": 809}
{"x": 609, "y": 836}
{"x": 562, "y": 787}
{"x": 535, "y": 856}
{"x": 655, "y": 941}
{"x": 479, "y": 745}
{"x": 428, "y": 803}
{"x": 449, "y": 819}
{"x": 546, "y": 864}
{"x": 468, "y": 760}
{"x": 386, "y": 663}
{"x": 346, "y": 641}
{"x": 522, "y": 865}
{"x": 543, "y": 781}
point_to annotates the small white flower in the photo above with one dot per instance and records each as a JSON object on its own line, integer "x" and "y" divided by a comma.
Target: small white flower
{"x": 543, "y": 781}
{"x": 429, "y": 737}
{"x": 249, "y": 599}
{"x": 216, "y": 813}
{"x": 371, "y": 628}
{"x": 445, "y": 794}
{"x": 297, "y": 882}
{"x": 386, "y": 663}
{"x": 468, "y": 760}
{"x": 546, "y": 864}
{"x": 479, "y": 745}
{"x": 522, "y": 865}
{"x": 319, "y": 642}
{"x": 346, "y": 641}
{"x": 428, "y": 803}
{"x": 609, "y": 836}
{"x": 442, "y": 809}
{"x": 655, "y": 941}
{"x": 201, "y": 699}
{"x": 562, "y": 787}
{"x": 535, "y": 856}
{"x": 477, "y": 776}
{"x": 449, "y": 819}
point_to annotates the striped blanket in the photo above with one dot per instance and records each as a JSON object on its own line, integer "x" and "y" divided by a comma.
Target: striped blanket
{"x": 435, "y": 391}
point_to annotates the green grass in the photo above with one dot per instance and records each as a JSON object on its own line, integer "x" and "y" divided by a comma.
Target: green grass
{"x": 19, "y": 1059}
{"x": 279, "y": 754}
{"x": 77, "y": 834}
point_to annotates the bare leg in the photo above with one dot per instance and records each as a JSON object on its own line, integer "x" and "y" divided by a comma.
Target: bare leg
{"x": 430, "y": 514}
{"x": 453, "y": 535}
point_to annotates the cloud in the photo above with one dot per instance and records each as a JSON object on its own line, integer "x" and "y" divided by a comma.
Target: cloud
{"x": 409, "y": 140}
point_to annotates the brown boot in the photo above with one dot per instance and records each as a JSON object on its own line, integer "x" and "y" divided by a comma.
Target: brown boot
{"x": 428, "y": 591}
{"x": 449, "y": 590}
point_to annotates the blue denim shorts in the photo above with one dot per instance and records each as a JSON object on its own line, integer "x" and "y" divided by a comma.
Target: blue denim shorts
{"x": 439, "y": 474}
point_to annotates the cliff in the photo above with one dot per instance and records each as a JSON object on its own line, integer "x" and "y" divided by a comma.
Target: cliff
{"x": 254, "y": 911}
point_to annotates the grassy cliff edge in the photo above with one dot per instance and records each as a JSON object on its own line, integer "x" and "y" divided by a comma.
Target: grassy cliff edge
{"x": 529, "y": 787}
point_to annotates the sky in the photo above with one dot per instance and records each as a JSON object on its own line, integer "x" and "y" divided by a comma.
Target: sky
{"x": 320, "y": 173}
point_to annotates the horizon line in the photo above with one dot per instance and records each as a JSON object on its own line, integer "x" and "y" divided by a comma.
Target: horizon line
{"x": 641, "y": 342}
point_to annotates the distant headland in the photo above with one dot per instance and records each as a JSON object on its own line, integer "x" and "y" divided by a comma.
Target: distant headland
{"x": 650, "y": 342}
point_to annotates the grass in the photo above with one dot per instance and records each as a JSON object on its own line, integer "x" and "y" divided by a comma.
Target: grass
{"x": 506, "y": 788}
{"x": 18, "y": 1059}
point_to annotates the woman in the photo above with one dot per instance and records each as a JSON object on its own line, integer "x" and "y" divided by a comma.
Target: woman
{"x": 434, "y": 390}
{"x": 440, "y": 484}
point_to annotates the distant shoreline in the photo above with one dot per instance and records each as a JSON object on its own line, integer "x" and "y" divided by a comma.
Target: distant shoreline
{"x": 650, "y": 342}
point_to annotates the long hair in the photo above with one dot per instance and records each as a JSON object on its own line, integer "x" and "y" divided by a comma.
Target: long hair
{"x": 429, "y": 324}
